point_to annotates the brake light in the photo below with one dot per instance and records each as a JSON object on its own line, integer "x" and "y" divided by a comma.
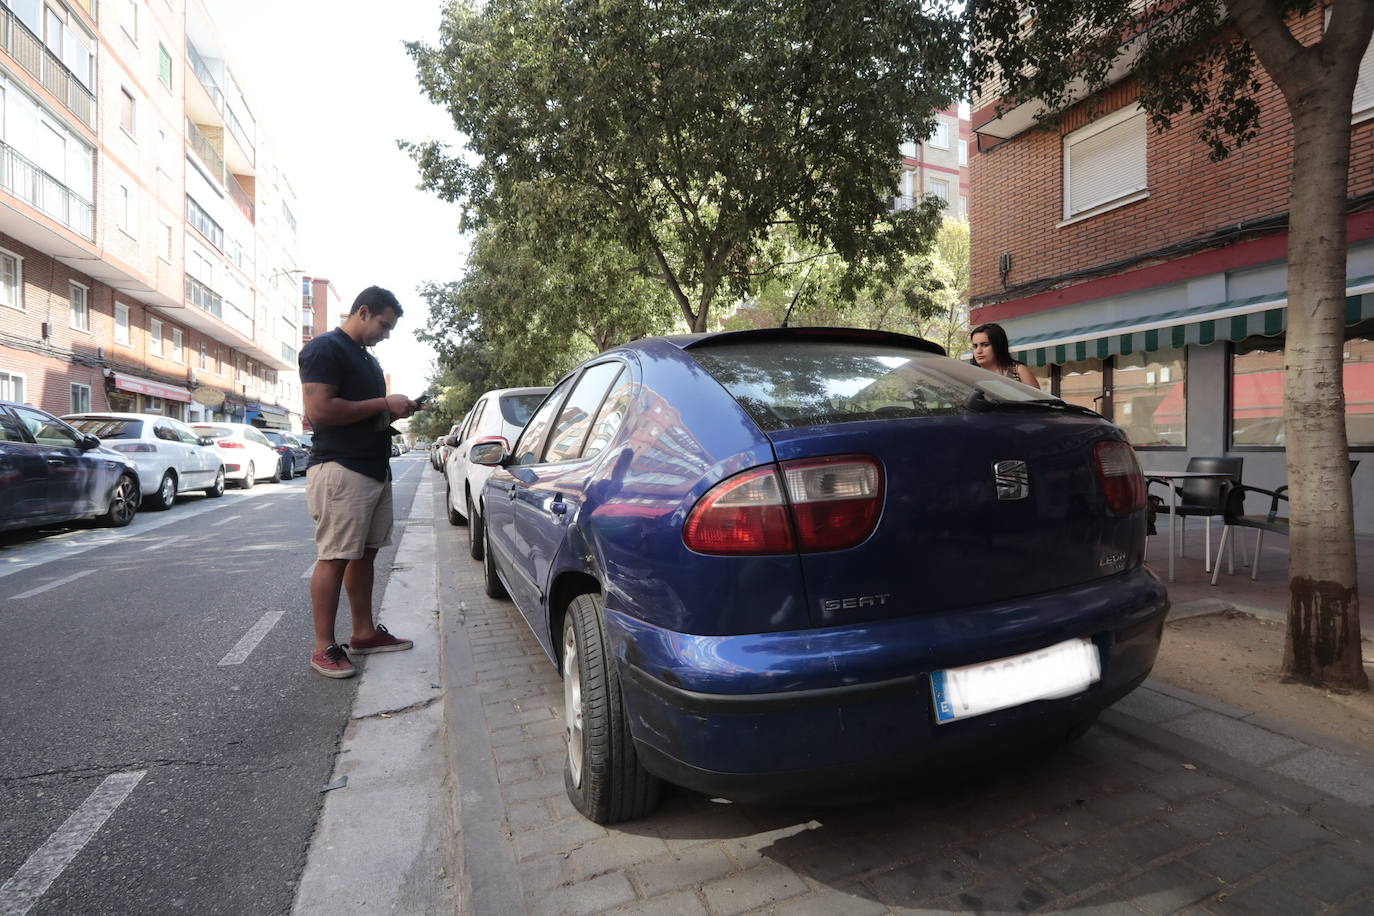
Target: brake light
{"x": 229, "y": 443}
{"x": 1122, "y": 481}
{"x": 281, "y": 449}
{"x": 830, "y": 504}
{"x": 133, "y": 447}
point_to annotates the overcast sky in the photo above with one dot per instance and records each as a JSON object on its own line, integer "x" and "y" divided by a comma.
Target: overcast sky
{"x": 329, "y": 81}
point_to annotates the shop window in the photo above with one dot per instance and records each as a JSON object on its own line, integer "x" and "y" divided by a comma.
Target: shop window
{"x": 1257, "y": 390}
{"x": 1149, "y": 397}
{"x": 1081, "y": 383}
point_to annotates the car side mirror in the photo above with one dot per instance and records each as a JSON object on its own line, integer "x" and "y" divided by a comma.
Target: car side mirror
{"x": 489, "y": 453}
{"x": 452, "y": 441}
{"x": 204, "y": 440}
{"x": 88, "y": 442}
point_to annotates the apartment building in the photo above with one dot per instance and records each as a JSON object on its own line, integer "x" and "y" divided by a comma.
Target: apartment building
{"x": 321, "y": 307}
{"x": 1141, "y": 279}
{"x": 938, "y": 165}
{"x": 147, "y": 238}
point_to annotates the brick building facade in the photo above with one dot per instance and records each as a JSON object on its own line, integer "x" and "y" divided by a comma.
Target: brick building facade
{"x": 1139, "y": 277}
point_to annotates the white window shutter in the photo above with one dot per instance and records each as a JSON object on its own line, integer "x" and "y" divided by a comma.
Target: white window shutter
{"x": 1364, "y": 87}
{"x": 1104, "y": 161}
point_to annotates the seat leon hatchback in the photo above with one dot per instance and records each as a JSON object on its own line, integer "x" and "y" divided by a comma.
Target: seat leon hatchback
{"x": 772, "y": 564}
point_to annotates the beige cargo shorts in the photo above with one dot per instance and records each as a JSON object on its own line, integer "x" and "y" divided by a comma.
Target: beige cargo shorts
{"x": 352, "y": 511}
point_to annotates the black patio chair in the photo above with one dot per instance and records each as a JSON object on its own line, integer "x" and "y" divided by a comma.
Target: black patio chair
{"x": 1234, "y": 517}
{"x": 1204, "y": 498}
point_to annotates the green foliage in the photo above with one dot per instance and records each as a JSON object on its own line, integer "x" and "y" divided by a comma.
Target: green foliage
{"x": 691, "y": 130}
{"x": 926, "y": 297}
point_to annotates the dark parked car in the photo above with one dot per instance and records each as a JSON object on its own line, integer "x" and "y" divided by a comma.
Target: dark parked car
{"x": 50, "y": 473}
{"x": 782, "y": 562}
{"x": 293, "y": 453}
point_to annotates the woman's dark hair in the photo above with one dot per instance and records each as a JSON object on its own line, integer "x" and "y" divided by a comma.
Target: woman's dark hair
{"x": 998, "y": 338}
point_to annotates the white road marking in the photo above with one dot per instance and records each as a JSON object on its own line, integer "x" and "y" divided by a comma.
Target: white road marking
{"x": 232, "y": 518}
{"x": 37, "y": 874}
{"x": 53, "y": 584}
{"x": 309, "y": 571}
{"x": 250, "y": 640}
{"x": 157, "y": 544}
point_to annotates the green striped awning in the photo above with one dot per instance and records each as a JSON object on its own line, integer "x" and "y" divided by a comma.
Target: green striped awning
{"x": 1205, "y": 324}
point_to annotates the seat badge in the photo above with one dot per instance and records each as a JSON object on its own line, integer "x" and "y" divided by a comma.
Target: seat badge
{"x": 1012, "y": 479}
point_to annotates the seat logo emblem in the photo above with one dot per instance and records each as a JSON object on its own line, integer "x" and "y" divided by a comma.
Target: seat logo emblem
{"x": 1012, "y": 479}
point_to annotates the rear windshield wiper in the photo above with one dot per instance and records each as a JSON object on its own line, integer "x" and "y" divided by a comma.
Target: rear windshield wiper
{"x": 980, "y": 401}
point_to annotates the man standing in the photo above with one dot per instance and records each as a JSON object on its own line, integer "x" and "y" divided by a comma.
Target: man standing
{"x": 348, "y": 477}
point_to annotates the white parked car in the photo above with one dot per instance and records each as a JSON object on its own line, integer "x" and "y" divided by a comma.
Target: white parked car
{"x": 248, "y": 456}
{"x": 171, "y": 458}
{"x": 501, "y": 412}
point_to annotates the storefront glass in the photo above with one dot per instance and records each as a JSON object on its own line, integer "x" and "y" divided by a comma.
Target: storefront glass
{"x": 1149, "y": 397}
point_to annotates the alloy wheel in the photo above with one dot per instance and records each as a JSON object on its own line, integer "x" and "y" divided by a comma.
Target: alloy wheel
{"x": 572, "y": 704}
{"x": 122, "y": 502}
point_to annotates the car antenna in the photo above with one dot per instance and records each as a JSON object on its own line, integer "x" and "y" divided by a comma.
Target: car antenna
{"x": 801, "y": 286}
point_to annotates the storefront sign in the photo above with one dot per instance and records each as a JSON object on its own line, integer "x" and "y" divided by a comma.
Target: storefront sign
{"x": 210, "y": 397}
{"x": 149, "y": 387}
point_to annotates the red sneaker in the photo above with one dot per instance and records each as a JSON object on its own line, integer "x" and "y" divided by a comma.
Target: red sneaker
{"x": 332, "y": 661}
{"x": 381, "y": 641}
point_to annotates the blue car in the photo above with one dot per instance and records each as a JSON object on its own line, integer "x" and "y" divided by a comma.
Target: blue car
{"x": 51, "y": 473}
{"x": 783, "y": 562}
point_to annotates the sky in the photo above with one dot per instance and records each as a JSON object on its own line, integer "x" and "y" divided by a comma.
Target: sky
{"x": 330, "y": 83}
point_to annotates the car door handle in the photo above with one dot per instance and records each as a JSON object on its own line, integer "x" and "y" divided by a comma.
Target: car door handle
{"x": 57, "y": 461}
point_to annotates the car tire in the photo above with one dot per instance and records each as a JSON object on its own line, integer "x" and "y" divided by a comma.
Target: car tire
{"x": 216, "y": 490}
{"x": 477, "y": 534}
{"x": 276, "y": 473}
{"x": 288, "y": 469}
{"x": 601, "y": 772}
{"x": 249, "y": 478}
{"x": 166, "y": 495}
{"x": 124, "y": 501}
{"x": 454, "y": 516}
{"x": 492, "y": 585}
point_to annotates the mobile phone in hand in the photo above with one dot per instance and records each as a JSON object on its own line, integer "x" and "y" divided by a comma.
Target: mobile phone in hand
{"x": 422, "y": 400}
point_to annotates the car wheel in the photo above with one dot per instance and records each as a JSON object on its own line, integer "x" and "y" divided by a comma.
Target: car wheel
{"x": 491, "y": 580}
{"x": 166, "y": 495}
{"x": 602, "y": 772}
{"x": 123, "y": 503}
{"x": 454, "y": 516}
{"x": 276, "y": 472}
{"x": 248, "y": 478}
{"x": 477, "y": 534}
{"x": 217, "y": 490}
{"x": 288, "y": 469}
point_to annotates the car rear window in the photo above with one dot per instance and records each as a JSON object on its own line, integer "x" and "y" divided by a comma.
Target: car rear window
{"x": 105, "y": 428}
{"x": 518, "y": 408}
{"x": 214, "y": 432}
{"x": 275, "y": 438}
{"x": 788, "y": 383}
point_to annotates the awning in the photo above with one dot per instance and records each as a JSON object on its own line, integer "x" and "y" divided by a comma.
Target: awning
{"x": 1204, "y": 324}
{"x": 148, "y": 386}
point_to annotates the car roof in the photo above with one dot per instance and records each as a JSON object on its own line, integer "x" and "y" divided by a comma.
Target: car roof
{"x": 117, "y": 415}
{"x": 689, "y": 341}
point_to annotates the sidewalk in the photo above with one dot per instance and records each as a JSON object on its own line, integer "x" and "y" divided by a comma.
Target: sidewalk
{"x": 1172, "y": 802}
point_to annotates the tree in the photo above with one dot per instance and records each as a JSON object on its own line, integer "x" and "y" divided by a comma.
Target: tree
{"x": 927, "y": 297}
{"x": 1204, "y": 57}
{"x": 695, "y": 128}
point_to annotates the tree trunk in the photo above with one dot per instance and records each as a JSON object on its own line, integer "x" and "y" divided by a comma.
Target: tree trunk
{"x": 1323, "y": 641}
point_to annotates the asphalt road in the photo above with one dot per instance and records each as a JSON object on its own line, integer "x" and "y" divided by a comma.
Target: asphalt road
{"x": 163, "y": 742}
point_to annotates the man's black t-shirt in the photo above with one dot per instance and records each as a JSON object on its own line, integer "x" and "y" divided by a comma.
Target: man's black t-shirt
{"x": 336, "y": 359}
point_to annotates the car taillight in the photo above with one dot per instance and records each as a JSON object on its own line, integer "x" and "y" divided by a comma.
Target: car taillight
{"x": 133, "y": 447}
{"x": 830, "y": 504}
{"x": 281, "y": 449}
{"x": 228, "y": 443}
{"x": 1122, "y": 482}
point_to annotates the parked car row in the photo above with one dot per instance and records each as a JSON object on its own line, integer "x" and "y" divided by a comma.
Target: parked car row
{"x": 807, "y": 561}
{"x": 106, "y": 465}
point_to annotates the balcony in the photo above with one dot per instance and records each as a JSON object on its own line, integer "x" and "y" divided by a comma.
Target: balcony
{"x": 32, "y": 185}
{"x": 203, "y": 297}
{"x": 19, "y": 43}
{"x": 205, "y": 149}
{"x": 207, "y": 79}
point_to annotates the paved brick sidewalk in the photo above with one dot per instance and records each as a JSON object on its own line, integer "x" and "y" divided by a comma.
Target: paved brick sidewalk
{"x": 1167, "y": 805}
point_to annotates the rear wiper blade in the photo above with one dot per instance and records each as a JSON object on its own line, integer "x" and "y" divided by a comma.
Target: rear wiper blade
{"x": 980, "y": 401}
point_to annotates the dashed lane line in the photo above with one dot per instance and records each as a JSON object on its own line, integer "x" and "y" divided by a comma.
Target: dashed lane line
{"x": 41, "y": 869}
{"x": 51, "y": 585}
{"x": 250, "y": 640}
{"x": 225, "y": 521}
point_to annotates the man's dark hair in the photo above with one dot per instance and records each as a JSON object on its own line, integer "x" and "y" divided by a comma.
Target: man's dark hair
{"x": 377, "y": 300}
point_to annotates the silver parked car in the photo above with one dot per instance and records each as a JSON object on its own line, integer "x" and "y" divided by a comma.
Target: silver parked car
{"x": 171, "y": 459}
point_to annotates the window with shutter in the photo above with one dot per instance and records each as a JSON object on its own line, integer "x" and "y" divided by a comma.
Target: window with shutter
{"x": 1363, "y": 107}
{"x": 1104, "y": 163}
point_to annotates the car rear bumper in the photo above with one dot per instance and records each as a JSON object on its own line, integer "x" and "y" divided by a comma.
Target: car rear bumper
{"x": 763, "y": 715}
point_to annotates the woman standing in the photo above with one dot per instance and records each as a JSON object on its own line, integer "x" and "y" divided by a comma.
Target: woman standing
{"x": 990, "y": 351}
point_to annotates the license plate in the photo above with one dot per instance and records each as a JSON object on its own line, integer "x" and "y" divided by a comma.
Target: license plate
{"x": 1056, "y": 671}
